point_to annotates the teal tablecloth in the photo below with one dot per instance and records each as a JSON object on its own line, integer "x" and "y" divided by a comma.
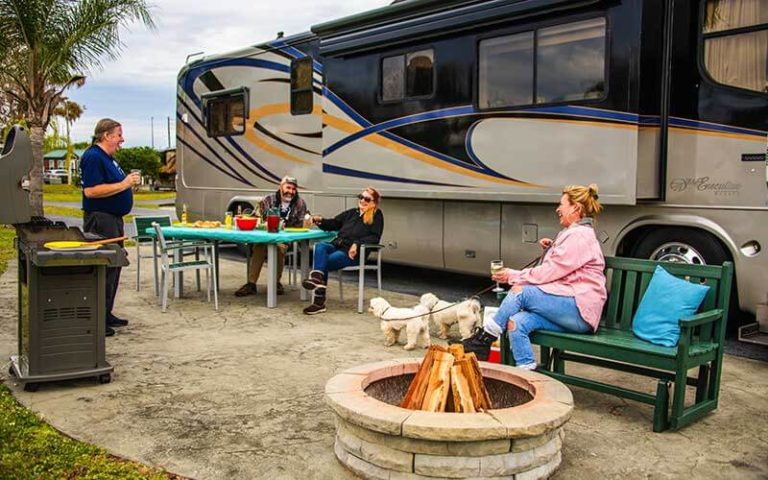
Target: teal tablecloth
{"x": 241, "y": 236}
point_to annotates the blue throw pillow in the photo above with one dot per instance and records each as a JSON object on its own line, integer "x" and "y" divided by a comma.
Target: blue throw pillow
{"x": 665, "y": 302}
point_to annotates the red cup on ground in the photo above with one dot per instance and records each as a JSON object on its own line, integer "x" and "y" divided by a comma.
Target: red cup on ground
{"x": 273, "y": 223}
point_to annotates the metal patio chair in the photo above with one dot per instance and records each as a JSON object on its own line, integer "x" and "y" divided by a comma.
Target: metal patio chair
{"x": 140, "y": 225}
{"x": 172, "y": 262}
{"x": 370, "y": 264}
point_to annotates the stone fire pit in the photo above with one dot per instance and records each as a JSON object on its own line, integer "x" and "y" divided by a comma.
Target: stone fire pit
{"x": 519, "y": 438}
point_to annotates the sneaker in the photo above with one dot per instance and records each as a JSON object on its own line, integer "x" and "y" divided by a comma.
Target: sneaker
{"x": 109, "y": 332}
{"x": 528, "y": 366}
{"x": 480, "y": 344}
{"x": 247, "y": 289}
{"x": 113, "y": 321}
{"x": 314, "y": 309}
{"x": 280, "y": 289}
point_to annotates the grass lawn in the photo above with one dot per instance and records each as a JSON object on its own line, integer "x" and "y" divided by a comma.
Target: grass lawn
{"x": 72, "y": 193}
{"x": 31, "y": 449}
{"x": 72, "y": 212}
{"x": 6, "y": 246}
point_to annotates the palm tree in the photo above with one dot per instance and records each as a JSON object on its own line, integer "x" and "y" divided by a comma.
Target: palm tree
{"x": 46, "y": 46}
{"x": 69, "y": 111}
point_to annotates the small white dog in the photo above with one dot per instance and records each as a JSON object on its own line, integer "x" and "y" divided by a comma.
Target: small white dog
{"x": 415, "y": 320}
{"x": 466, "y": 314}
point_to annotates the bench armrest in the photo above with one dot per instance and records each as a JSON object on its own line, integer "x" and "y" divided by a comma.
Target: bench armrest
{"x": 686, "y": 330}
{"x": 701, "y": 318}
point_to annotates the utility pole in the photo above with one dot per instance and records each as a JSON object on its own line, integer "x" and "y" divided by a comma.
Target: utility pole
{"x": 169, "y": 132}
{"x": 152, "y": 129}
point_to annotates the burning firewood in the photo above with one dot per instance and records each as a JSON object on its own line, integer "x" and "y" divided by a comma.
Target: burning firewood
{"x": 448, "y": 380}
{"x": 439, "y": 383}
{"x": 418, "y": 388}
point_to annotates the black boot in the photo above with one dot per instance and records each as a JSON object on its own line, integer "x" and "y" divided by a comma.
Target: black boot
{"x": 316, "y": 279}
{"x": 318, "y": 302}
{"x": 479, "y": 343}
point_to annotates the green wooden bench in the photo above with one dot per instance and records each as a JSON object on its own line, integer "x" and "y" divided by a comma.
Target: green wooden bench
{"x": 615, "y": 347}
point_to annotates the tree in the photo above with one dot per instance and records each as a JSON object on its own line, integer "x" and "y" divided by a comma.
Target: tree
{"x": 145, "y": 159}
{"x": 53, "y": 140}
{"x": 47, "y": 46}
{"x": 69, "y": 111}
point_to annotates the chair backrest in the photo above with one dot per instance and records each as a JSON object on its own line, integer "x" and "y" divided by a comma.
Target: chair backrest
{"x": 628, "y": 279}
{"x": 142, "y": 223}
{"x": 161, "y": 242}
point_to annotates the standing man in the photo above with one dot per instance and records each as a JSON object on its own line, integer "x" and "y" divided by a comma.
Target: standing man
{"x": 292, "y": 211}
{"x": 107, "y": 197}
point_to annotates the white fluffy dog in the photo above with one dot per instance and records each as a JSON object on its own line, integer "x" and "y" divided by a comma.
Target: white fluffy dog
{"x": 415, "y": 320}
{"x": 466, "y": 314}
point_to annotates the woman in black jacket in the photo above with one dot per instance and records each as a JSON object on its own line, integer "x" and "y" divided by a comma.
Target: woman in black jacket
{"x": 356, "y": 227}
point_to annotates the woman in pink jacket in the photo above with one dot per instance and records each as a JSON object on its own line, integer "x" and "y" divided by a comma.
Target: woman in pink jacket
{"x": 565, "y": 293}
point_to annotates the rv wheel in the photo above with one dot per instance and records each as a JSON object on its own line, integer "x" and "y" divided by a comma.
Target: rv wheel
{"x": 688, "y": 245}
{"x": 680, "y": 245}
{"x": 31, "y": 387}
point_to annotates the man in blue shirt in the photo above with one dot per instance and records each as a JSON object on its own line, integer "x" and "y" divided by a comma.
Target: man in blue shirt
{"x": 107, "y": 197}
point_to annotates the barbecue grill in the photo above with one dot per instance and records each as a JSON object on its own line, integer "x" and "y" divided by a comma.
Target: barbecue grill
{"x": 61, "y": 294}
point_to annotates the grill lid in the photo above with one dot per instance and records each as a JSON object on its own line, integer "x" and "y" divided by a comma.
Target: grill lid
{"x": 15, "y": 164}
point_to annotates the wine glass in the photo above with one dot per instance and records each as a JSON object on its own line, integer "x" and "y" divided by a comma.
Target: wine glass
{"x": 496, "y": 266}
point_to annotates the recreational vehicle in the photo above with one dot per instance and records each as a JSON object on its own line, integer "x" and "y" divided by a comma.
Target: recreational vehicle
{"x": 471, "y": 116}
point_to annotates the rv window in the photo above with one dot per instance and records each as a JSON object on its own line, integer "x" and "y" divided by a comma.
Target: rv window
{"x": 731, "y": 14}
{"x": 420, "y": 76}
{"x": 407, "y": 76}
{"x": 226, "y": 115}
{"x": 506, "y": 71}
{"x": 735, "y": 42}
{"x": 570, "y": 66}
{"x": 570, "y": 62}
{"x": 392, "y": 78}
{"x": 301, "y": 86}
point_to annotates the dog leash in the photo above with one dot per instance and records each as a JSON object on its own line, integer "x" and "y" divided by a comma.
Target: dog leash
{"x": 476, "y": 295}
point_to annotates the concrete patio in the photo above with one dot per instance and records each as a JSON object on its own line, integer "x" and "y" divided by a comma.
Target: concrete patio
{"x": 239, "y": 394}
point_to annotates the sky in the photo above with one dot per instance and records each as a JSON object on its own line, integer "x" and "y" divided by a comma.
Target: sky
{"x": 141, "y": 85}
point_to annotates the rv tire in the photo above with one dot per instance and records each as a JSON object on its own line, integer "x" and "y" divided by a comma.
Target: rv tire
{"x": 688, "y": 245}
{"x": 683, "y": 245}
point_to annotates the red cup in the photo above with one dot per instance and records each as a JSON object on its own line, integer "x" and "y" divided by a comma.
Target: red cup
{"x": 273, "y": 223}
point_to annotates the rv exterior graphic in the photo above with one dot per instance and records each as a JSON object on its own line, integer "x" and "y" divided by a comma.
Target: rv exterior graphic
{"x": 471, "y": 116}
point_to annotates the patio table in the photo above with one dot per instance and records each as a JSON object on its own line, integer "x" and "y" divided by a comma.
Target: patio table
{"x": 217, "y": 235}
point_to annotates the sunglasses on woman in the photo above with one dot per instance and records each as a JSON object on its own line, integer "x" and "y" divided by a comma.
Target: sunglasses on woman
{"x": 364, "y": 198}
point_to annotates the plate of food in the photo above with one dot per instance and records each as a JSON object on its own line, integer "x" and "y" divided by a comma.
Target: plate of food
{"x": 69, "y": 246}
{"x": 207, "y": 224}
{"x": 295, "y": 229}
{"x": 72, "y": 245}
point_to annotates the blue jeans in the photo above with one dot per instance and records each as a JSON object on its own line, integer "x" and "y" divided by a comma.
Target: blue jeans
{"x": 533, "y": 309}
{"x": 330, "y": 258}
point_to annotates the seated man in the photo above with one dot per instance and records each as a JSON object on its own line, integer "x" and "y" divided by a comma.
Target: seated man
{"x": 292, "y": 211}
